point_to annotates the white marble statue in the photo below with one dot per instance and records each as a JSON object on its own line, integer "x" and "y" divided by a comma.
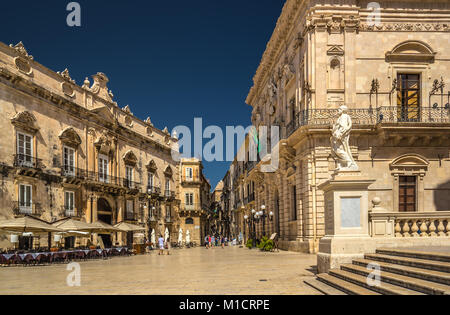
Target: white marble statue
{"x": 340, "y": 142}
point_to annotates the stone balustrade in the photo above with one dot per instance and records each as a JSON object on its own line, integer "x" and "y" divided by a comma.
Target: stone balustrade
{"x": 410, "y": 224}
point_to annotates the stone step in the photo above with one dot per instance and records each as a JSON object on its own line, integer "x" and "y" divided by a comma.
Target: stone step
{"x": 382, "y": 288}
{"x": 424, "y": 274}
{"x": 445, "y": 257}
{"x": 323, "y": 288}
{"x": 411, "y": 262}
{"x": 344, "y": 286}
{"x": 426, "y": 287}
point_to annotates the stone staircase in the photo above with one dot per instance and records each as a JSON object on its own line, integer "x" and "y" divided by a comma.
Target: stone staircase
{"x": 402, "y": 272}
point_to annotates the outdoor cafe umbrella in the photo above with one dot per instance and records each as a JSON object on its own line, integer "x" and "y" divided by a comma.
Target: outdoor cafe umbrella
{"x": 188, "y": 237}
{"x": 102, "y": 227}
{"x": 153, "y": 238}
{"x": 71, "y": 225}
{"x": 28, "y": 224}
{"x": 166, "y": 236}
{"x": 180, "y": 236}
{"x": 127, "y": 227}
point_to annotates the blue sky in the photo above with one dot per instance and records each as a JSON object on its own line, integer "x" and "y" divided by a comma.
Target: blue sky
{"x": 170, "y": 60}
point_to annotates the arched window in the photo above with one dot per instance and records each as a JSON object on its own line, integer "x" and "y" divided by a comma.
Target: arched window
{"x": 189, "y": 221}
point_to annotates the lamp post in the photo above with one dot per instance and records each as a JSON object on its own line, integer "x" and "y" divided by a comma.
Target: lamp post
{"x": 261, "y": 215}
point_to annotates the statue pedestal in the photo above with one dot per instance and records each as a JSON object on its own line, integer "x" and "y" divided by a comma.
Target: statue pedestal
{"x": 346, "y": 219}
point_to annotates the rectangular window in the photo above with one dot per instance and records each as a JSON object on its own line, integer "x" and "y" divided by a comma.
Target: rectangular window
{"x": 69, "y": 203}
{"x": 167, "y": 185}
{"x": 189, "y": 199}
{"x": 24, "y": 149}
{"x": 25, "y": 199}
{"x": 129, "y": 176}
{"x": 69, "y": 161}
{"x": 130, "y": 209}
{"x": 408, "y": 194}
{"x": 103, "y": 168}
{"x": 408, "y": 97}
{"x": 150, "y": 180}
{"x": 189, "y": 173}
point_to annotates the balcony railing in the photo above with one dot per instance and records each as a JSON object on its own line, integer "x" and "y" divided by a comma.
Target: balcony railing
{"x": 23, "y": 160}
{"x": 23, "y": 208}
{"x": 169, "y": 194}
{"x": 70, "y": 213}
{"x": 130, "y": 184}
{"x": 168, "y": 219}
{"x": 192, "y": 207}
{"x": 153, "y": 190}
{"x": 371, "y": 116}
{"x": 70, "y": 171}
{"x": 193, "y": 179}
{"x": 131, "y": 216}
{"x": 112, "y": 180}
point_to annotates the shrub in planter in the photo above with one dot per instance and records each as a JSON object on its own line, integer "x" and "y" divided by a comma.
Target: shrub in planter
{"x": 249, "y": 244}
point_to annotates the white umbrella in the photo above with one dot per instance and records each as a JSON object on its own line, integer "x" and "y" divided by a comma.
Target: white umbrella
{"x": 153, "y": 237}
{"x": 166, "y": 236}
{"x": 188, "y": 237}
{"x": 180, "y": 236}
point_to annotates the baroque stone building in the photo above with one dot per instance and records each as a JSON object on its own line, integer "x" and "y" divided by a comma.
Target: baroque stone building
{"x": 195, "y": 200}
{"x": 71, "y": 151}
{"x": 390, "y": 67}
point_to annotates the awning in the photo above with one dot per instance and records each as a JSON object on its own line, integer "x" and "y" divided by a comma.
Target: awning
{"x": 127, "y": 227}
{"x": 28, "y": 224}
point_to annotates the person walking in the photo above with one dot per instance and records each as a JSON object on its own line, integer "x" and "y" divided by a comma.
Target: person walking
{"x": 213, "y": 241}
{"x": 209, "y": 241}
{"x": 161, "y": 244}
{"x": 222, "y": 241}
{"x": 168, "y": 246}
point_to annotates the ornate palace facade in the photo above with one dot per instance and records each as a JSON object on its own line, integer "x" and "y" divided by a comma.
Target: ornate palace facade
{"x": 392, "y": 71}
{"x": 70, "y": 151}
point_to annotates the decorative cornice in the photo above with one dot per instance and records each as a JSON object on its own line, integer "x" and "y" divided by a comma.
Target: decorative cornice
{"x": 404, "y": 27}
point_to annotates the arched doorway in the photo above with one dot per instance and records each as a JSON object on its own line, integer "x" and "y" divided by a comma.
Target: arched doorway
{"x": 104, "y": 211}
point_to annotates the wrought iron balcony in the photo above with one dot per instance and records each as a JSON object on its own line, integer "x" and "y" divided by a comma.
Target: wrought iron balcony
{"x": 27, "y": 208}
{"x": 153, "y": 190}
{"x": 169, "y": 194}
{"x": 130, "y": 184}
{"x": 372, "y": 116}
{"x": 104, "y": 178}
{"x": 192, "y": 207}
{"x": 73, "y": 172}
{"x": 27, "y": 161}
{"x": 70, "y": 213}
{"x": 168, "y": 220}
{"x": 131, "y": 216}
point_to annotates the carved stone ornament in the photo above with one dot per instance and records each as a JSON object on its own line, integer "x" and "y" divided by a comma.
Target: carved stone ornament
{"x": 130, "y": 158}
{"x": 70, "y": 137}
{"x": 168, "y": 172}
{"x": 148, "y": 121}
{"x": 20, "y": 49}
{"x": 66, "y": 76}
{"x": 104, "y": 144}
{"x": 100, "y": 87}
{"x": 25, "y": 121}
{"x": 151, "y": 167}
{"x": 23, "y": 65}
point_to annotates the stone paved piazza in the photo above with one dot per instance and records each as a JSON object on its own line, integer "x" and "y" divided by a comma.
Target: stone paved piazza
{"x": 195, "y": 271}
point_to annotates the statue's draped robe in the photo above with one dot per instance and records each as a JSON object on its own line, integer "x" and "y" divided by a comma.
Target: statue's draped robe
{"x": 340, "y": 142}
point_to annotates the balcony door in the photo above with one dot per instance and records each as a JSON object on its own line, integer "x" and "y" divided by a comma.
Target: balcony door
{"x": 408, "y": 194}
{"x": 103, "y": 162}
{"x": 408, "y": 98}
{"x": 69, "y": 161}
{"x": 25, "y": 199}
{"x": 24, "y": 149}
